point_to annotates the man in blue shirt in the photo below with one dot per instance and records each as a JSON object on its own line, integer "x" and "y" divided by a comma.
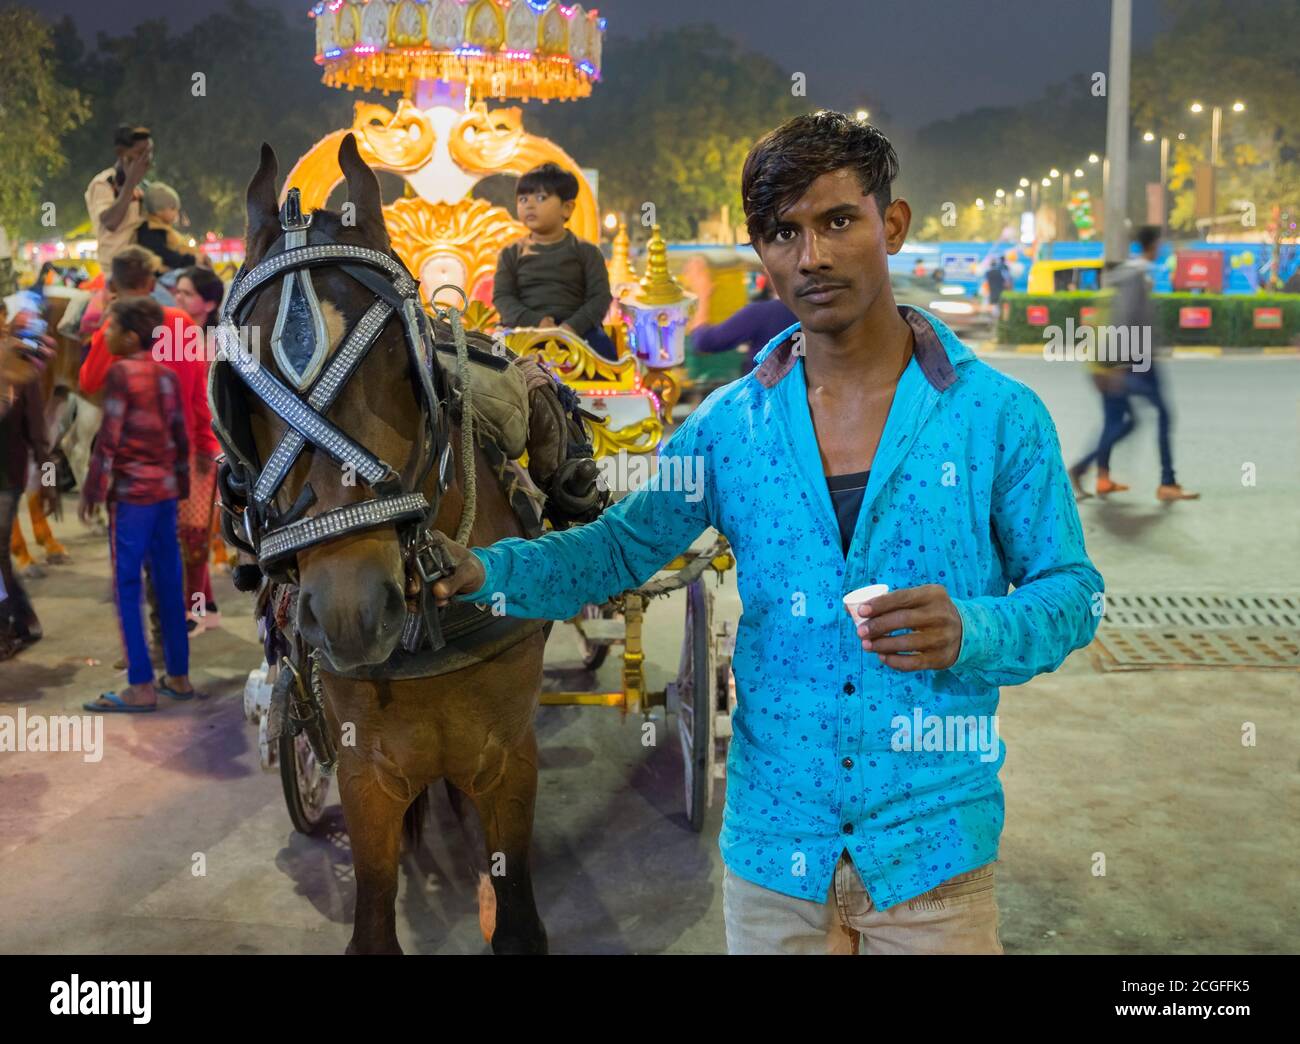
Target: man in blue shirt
{"x": 863, "y": 805}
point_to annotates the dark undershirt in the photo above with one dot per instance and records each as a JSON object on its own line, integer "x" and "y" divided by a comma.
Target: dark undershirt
{"x": 846, "y": 495}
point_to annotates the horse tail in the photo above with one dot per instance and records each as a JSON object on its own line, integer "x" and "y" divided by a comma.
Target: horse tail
{"x": 413, "y": 819}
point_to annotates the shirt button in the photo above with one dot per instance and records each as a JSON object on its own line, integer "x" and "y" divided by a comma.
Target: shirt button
{"x": 848, "y": 687}
{"x": 847, "y": 762}
{"x": 848, "y": 828}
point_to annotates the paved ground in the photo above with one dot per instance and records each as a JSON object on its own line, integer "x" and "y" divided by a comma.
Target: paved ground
{"x": 1199, "y": 832}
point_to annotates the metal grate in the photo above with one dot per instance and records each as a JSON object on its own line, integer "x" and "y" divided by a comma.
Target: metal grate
{"x": 1203, "y": 611}
{"x": 1146, "y": 631}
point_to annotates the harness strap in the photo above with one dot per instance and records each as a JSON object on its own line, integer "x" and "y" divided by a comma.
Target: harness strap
{"x": 294, "y": 412}
{"x": 310, "y": 256}
{"x": 326, "y": 526}
{"x": 323, "y": 393}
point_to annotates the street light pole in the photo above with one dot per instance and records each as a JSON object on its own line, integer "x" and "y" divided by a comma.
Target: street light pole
{"x": 1216, "y": 122}
{"x": 1115, "y": 190}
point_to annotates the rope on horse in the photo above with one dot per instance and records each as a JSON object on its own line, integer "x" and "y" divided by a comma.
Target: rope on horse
{"x": 470, "y": 492}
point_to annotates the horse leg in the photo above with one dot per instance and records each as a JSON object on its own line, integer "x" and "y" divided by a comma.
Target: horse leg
{"x": 507, "y": 816}
{"x": 54, "y": 551}
{"x": 471, "y": 829}
{"x": 374, "y": 818}
{"x": 22, "y": 558}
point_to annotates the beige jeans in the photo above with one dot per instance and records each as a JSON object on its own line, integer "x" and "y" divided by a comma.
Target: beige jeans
{"x": 958, "y": 916}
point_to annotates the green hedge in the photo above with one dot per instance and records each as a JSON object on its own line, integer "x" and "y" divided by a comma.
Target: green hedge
{"x": 1232, "y": 317}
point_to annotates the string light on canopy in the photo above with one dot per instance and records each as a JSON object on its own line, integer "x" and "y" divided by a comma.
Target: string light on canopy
{"x": 523, "y": 49}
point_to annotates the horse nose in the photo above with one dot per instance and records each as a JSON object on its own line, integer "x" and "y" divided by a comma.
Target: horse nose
{"x": 380, "y": 616}
{"x": 308, "y": 626}
{"x": 354, "y": 624}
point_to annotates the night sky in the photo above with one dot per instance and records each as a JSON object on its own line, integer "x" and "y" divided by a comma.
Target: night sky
{"x": 917, "y": 60}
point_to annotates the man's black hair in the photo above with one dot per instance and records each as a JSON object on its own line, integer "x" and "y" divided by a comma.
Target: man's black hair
{"x": 1148, "y": 236}
{"x": 126, "y": 135}
{"x": 779, "y": 169}
{"x": 550, "y": 178}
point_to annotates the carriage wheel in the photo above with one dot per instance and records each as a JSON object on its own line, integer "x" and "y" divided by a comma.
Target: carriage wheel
{"x": 697, "y": 678}
{"x": 306, "y": 787}
{"x": 594, "y": 653}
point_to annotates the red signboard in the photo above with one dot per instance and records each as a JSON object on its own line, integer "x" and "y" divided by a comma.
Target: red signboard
{"x": 1087, "y": 315}
{"x": 1036, "y": 315}
{"x": 1199, "y": 270}
{"x": 1268, "y": 318}
{"x": 1195, "y": 318}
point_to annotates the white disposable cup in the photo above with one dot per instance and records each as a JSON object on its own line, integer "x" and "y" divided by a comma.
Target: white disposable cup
{"x": 863, "y": 594}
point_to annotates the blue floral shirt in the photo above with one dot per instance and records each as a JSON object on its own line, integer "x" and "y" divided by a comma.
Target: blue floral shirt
{"x": 830, "y": 749}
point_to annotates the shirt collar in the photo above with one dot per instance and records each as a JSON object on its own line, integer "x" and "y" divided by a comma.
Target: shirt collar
{"x": 937, "y": 351}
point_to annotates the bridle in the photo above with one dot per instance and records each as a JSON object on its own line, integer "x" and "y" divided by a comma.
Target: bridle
{"x": 300, "y": 345}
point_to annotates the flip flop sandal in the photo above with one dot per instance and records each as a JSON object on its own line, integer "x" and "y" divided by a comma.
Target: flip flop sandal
{"x": 175, "y": 694}
{"x": 116, "y": 705}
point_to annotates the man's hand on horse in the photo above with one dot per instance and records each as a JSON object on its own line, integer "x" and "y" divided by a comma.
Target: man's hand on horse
{"x": 468, "y": 575}
{"x": 927, "y": 613}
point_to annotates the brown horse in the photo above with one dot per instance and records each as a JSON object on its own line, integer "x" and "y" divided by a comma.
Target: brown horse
{"x": 472, "y": 727}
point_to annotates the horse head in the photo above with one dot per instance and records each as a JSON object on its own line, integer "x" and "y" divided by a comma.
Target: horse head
{"x": 347, "y": 345}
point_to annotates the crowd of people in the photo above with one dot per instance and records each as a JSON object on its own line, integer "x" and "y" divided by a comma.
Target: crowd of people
{"x": 152, "y": 469}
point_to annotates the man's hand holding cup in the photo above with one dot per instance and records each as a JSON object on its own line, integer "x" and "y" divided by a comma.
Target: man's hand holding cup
{"x": 926, "y": 612}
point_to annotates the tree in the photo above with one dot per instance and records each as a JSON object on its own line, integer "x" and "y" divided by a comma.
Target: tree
{"x": 210, "y": 95}
{"x": 671, "y": 124}
{"x": 36, "y": 111}
{"x": 1193, "y": 61}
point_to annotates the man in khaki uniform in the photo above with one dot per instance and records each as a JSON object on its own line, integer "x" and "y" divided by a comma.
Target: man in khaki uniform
{"x": 113, "y": 198}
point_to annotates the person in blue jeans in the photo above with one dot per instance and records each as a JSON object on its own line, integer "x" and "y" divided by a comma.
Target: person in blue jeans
{"x": 1119, "y": 382}
{"x": 867, "y": 446}
{"x": 140, "y": 468}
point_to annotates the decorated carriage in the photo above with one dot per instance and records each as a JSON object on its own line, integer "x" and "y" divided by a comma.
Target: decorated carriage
{"x": 446, "y": 60}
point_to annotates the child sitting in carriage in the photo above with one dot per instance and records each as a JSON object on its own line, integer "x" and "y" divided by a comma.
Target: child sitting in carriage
{"x": 551, "y": 277}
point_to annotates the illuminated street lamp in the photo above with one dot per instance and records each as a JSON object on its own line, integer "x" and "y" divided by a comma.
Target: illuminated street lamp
{"x": 1020, "y": 193}
{"x": 1216, "y": 125}
{"x": 1054, "y": 173}
{"x": 1000, "y": 193}
{"x": 979, "y": 202}
{"x": 1024, "y": 183}
{"x": 1164, "y": 173}
{"x": 1046, "y": 182}
{"x": 1093, "y": 158}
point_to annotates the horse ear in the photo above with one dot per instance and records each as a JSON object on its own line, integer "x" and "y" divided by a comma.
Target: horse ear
{"x": 363, "y": 191}
{"x": 263, "y": 212}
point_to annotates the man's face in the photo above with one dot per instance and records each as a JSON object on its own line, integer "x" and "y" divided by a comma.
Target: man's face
{"x": 139, "y": 148}
{"x": 828, "y": 259}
